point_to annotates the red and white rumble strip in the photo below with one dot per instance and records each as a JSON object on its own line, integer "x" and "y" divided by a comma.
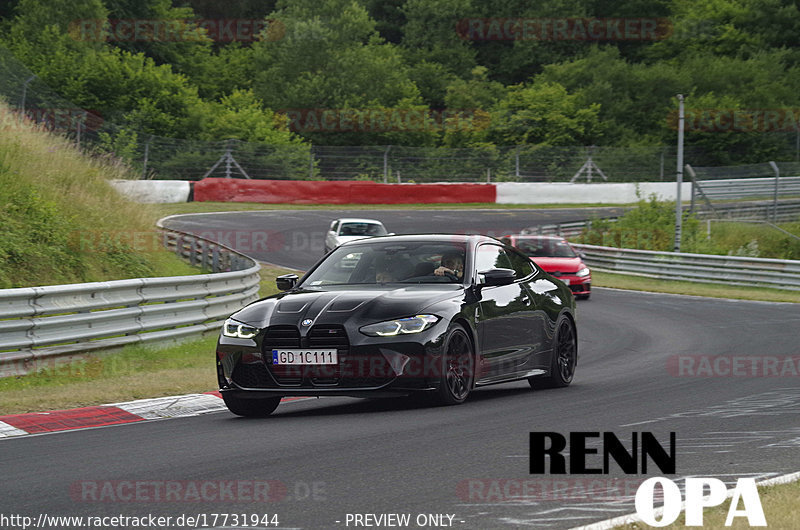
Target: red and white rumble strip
{"x": 114, "y": 414}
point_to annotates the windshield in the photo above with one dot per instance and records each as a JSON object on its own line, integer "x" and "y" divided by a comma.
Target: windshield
{"x": 546, "y": 248}
{"x": 391, "y": 262}
{"x": 362, "y": 229}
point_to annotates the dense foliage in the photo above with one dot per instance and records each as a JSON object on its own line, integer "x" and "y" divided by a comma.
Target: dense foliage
{"x": 411, "y": 55}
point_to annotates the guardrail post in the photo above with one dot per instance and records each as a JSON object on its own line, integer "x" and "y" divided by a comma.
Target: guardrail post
{"x": 215, "y": 259}
{"x": 179, "y": 245}
{"x": 203, "y": 255}
{"x": 777, "y": 171}
{"x": 192, "y": 252}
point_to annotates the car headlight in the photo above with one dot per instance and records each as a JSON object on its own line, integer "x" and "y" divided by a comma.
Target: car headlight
{"x": 232, "y": 328}
{"x": 401, "y": 326}
{"x": 583, "y": 272}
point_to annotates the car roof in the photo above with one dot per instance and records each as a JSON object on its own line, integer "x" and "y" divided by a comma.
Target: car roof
{"x": 434, "y": 238}
{"x": 358, "y": 220}
{"x": 534, "y": 236}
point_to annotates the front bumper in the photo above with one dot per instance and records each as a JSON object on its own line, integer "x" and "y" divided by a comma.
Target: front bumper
{"x": 370, "y": 366}
{"x": 578, "y": 285}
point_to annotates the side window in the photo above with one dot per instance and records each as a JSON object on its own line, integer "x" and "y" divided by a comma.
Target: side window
{"x": 491, "y": 257}
{"x": 521, "y": 264}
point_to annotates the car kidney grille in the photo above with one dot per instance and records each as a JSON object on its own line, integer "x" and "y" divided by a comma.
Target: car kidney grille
{"x": 282, "y": 337}
{"x": 327, "y": 336}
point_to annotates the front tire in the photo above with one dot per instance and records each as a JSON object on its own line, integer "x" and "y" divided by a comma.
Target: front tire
{"x": 457, "y": 368}
{"x": 564, "y": 359}
{"x": 251, "y": 408}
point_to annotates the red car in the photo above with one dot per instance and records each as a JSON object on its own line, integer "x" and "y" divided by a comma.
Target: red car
{"x": 558, "y": 258}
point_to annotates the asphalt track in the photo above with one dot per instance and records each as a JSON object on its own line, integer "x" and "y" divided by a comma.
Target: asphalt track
{"x": 342, "y": 456}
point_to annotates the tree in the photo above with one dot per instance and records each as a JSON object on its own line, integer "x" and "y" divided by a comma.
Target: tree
{"x": 543, "y": 113}
{"x": 331, "y": 57}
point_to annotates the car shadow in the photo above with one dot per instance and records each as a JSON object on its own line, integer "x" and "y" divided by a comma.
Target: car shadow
{"x": 339, "y": 407}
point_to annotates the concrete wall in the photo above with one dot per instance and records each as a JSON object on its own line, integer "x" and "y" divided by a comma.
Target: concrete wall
{"x": 603, "y": 193}
{"x": 153, "y": 191}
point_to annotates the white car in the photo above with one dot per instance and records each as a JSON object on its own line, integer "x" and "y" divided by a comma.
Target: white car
{"x": 343, "y": 230}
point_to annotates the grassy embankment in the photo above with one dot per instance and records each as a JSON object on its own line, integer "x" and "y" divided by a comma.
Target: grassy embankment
{"x": 60, "y": 220}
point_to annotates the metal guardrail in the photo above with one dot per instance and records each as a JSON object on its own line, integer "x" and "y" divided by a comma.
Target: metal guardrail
{"x": 40, "y": 324}
{"x": 730, "y": 270}
{"x": 745, "y": 188}
{"x": 785, "y": 212}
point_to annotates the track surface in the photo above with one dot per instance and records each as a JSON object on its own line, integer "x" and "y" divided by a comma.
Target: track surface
{"x": 295, "y": 238}
{"x": 404, "y": 457}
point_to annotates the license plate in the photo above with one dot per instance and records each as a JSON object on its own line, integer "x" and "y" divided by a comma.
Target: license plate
{"x": 304, "y": 357}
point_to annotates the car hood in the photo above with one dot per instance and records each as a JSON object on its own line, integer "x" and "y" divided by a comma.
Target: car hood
{"x": 339, "y": 305}
{"x": 559, "y": 264}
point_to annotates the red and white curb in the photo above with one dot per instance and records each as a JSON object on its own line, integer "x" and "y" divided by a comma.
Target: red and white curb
{"x": 16, "y": 425}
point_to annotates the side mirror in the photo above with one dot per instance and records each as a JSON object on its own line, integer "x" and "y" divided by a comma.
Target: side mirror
{"x": 286, "y": 282}
{"x": 582, "y": 254}
{"x": 497, "y": 276}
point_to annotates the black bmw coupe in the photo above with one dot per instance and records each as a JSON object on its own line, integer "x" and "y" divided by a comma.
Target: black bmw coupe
{"x": 396, "y": 315}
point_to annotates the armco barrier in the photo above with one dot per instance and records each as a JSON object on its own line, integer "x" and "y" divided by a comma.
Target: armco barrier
{"x": 39, "y": 324}
{"x": 730, "y": 270}
{"x": 338, "y": 192}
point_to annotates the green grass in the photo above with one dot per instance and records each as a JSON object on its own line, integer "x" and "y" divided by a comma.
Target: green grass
{"x": 779, "y": 503}
{"x": 651, "y": 226}
{"x": 60, "y": 220}
{"x": 642, "y": 283}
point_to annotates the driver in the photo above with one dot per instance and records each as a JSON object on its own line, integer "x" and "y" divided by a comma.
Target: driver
{"x": 452, "y": 264}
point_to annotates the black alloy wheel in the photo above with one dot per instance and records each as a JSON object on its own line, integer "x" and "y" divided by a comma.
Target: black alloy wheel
{"x": 564, "y": 360}
{"x": 457, "y": 367}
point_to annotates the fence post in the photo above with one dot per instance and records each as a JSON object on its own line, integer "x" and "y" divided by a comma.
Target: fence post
{"x": 386, "y": 164}
{"x": 311, "y": 162}
{"x": 516, "y": 162}
{"x": 488, "y": 175}
{"x": 146, "y": 156}
{"x": 777, "y": 171}
{"x": 228, "y": 157}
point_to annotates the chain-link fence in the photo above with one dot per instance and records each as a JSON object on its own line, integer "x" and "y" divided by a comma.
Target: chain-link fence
{"x": 158, "y": 157}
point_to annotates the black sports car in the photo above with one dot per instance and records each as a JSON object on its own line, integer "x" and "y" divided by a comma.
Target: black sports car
{"x": 397, "y": 315}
